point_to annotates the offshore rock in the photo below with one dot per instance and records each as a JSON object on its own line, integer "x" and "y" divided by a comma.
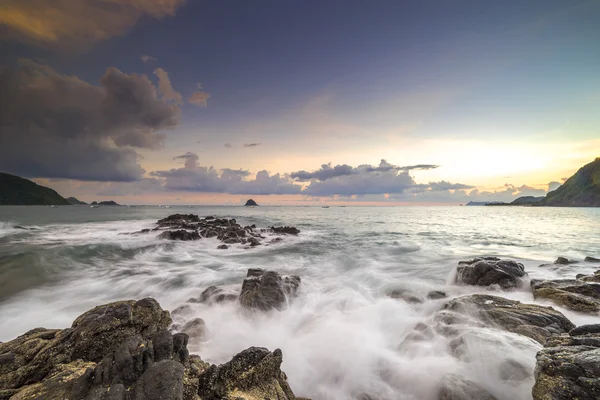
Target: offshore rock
{"x": 488, "y": 271}
{"x": 252, "y": 374}
{"x": 266, "y": 290}
{"x": 531, "y": 320}
{"x": 576, "y": 294}
{"x": 568, "y": 367}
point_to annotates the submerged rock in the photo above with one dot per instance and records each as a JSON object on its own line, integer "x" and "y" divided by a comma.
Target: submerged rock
{"x": 575, "y": 294}
{"x": 252, "y": 374}
{"x": 592, "y": 259}
{"x": 180, "y": 234}
{"x": 564, "y": 261}
{"x": 455, "y": 387}
{"x": 531, "y": 320}
{"x": 488, "y": 271}
{"x": 266, "y": 290}
{"x": 286, "y": 230}
{"x": 568, "y": 367}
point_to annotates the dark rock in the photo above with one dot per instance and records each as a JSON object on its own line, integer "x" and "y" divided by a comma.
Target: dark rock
{"x": 253, "y": 241}
{"x": 406, "y": 295}
{"x": 568, "y": 367}
{"x": 195, "y": 328}
{"x": 592, "y": 329}
{"x": 455, "y": 387}
{"x": 222, "y": 247}
{"x": 564, "y": 261}
{"x": 250, "y": 203}
{"x": 490, "y": 271}
{"x": 265, "y": 290}
{"x": 252, "y": 374}
{"x": 180, "y": 234}
{"x": 592, "y": 259}
{"x": 574, "y": 294}
{"x": 288, "y": 230}
{"x": 534, "y": 321}
{"x": 163, "y": 345}
{"x": 162, "y": 381}
{"x": 436, "y": 294}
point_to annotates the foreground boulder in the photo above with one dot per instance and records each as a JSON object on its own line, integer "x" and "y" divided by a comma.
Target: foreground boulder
{"x": 266, "y": 290}
{"x": 568, "y": 367}
{"x": 488, "y": 271}
{"x": 123, "y": 351}
{"x": 531, "y": 320}
{"x": 252, "y": 374}
{"x": 576, "y": 294}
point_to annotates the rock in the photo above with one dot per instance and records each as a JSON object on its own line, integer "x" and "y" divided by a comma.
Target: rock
{"x": 490, "y": 271}
{"x": 265, "y": 290}
{"x": 595, "y": 277}
{"x": 253, "y": 241}
{"x": 289, "y": 230}
{"x": 592, "y": 259}
{"x": 592, "y": 329}
{"x": 574, "y": 294}
{"x": 162, "y": 381}
{"x": 252, "y": 374}
{"x": 195, "y": 328}
{"x": 455, "y": 387}
{"x": 568, "y": 367}
{"x": 214, "y": 294}
{"x": 564, "y": 261}
{"x": 222, "y": 247}
{"x": 250, "y": 203}
{"x": 436, "y": 294}
{"x": 406, "y": 295}
{"x": 180, "y": 234}
{"x": 531, "y": 320}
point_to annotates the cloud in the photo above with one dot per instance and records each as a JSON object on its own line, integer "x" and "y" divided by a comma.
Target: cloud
{"x": 327, "y": 171}
{"x": 553, "y": 185}
{"x": 252, "y": 144}
{"x": 66, "y": 23}
{"x": 228, "y": 145}
{"x": 146, "y": 58}
{"x": 165, "y": 88}
{"x": 60, "y": 126}
{"x": 195, "y": 178}
{"x": 199, "y": 98}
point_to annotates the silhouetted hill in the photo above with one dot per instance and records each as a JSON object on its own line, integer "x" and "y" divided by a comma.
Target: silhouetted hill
{"x": 580, "y": 190}
{"x": 105, "y": 203}
{"x": 15, "y": 190}
{"x": 526, "y": 200}
{"x": 250, "y": 203}
{"x": 75, "y": 202}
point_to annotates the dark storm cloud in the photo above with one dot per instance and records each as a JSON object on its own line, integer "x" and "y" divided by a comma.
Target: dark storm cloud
{"x": 58, "y": 126}
{"x": 252, "y": 144}
{"x": 195, "y": 178}
{"x": 327, "y": 171}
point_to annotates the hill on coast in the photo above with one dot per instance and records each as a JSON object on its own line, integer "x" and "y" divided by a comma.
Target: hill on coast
{"x": 15, "y": 190}
{"x": 580, "y": 190}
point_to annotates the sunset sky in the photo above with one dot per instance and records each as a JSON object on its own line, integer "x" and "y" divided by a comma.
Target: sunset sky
{"x": 299, "y": 102}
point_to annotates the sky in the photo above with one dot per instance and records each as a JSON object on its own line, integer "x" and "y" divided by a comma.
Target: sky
{"x": 299, "y": 102}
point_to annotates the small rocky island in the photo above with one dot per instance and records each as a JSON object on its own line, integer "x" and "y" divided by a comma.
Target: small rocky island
{"x": 251, "y": 203}
{"x": 228, "y": 231}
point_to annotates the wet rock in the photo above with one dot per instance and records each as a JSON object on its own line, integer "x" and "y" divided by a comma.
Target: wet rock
{"x": 455, "y": 387}
{"x": 288, "y": 230}
{"x": 534, "y": 321}
{"x": 595, "y": 277}
{"x": 252, "y": 374}
{"x": 574, "y": 294}
{"x": 490, "y": 271}
{"x": 406, "y": 295}
{"x": 592, "y": 329}
{"x": 195, "y": 328}
{"x": 512, "y": 370}
{"x": 564, "y": 261}
{"x": 568, "y": 367}
{"x": 222, "y": 247}
{"x": 592, "y": 259}
{"x": 436, "y": 294}
{"x": 180, "y": 234}
{"x": 253, "y": 241}
{"x": 162, "y": 381}
{"x": 266, "y": 290}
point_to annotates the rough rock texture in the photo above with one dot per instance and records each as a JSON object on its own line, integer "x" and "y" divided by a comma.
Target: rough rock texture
{"x": 228, "y": 231}
{"x": 252, "y": 374}
{"x": 488, "y": 271}
{"x": 123, "y": 351}
{"x": 455, "y": 387}
{"x": 214, "y": 294}
{"x": 531, "y": 320}
{"x": 266, "y": 290}
{"x": 595, "y": 277}
{"x": 568, "y": 367}
{"x": 581, "y": 295}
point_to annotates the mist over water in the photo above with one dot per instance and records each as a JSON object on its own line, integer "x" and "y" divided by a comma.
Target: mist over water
{"x": 343, "y": 337}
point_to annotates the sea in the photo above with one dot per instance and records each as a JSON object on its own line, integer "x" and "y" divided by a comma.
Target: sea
{"x": 343, "y": 336}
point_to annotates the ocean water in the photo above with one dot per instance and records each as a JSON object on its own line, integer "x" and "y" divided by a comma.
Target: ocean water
{"x": 343, "y": 337}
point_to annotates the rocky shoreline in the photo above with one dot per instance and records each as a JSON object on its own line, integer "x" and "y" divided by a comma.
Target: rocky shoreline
{"x": 135, "y": 350}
